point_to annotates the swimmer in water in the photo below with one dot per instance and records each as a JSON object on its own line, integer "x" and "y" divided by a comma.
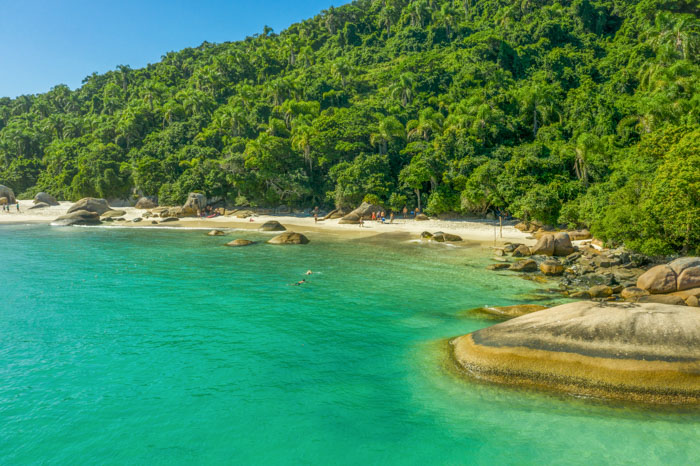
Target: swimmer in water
{"x": 308, "y": 272}
{"x": 299, "y": 283}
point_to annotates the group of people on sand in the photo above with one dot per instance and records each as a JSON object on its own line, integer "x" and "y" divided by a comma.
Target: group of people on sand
{"x": 380, "y": 217}
{"x": 6, "y": 207}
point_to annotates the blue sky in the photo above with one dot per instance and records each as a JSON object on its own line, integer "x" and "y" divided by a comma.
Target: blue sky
{"x": 49, "y": 42}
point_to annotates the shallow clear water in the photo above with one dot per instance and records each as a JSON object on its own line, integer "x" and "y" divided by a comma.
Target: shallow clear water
{"x": 131, "y": 346}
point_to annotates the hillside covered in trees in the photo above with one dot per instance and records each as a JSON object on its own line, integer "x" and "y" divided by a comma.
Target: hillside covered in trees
{"x": 585, "y": 113}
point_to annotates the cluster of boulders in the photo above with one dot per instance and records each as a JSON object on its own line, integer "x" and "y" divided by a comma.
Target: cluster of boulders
{"x": 587, "y": 272}
{"x": 440, "y": 237}
{"x": 86, "y": 211}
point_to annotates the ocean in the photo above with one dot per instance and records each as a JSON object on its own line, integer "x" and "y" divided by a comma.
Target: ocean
{"x": 153, "y": 346}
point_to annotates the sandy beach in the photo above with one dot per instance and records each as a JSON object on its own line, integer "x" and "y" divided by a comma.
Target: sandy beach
{"x": 469, "y": 230}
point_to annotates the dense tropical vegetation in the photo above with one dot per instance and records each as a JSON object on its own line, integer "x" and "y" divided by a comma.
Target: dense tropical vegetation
{"x": 585, "y": 113}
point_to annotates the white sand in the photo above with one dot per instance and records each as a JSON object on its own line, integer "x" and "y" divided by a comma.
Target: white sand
{"x": 469, "y": 230}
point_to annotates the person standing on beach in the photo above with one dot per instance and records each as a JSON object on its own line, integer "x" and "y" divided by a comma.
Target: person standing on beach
{"x": 391, "y": 217}
{"x": 17, "y": 206}
{"x": 315, "y": 218}
{"x": 405, "y": 211}
{"x": 361, "y": 221}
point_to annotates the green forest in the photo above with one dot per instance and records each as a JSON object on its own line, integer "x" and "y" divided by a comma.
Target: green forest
{"x": 583, "y": 113}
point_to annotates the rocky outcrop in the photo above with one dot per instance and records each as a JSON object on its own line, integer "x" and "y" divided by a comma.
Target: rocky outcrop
{"x": 422, "y": 218}
{"x": 600, "y": 291}
{"x": 553, "y": 245}
{"x": 45, "y": 198}
{"x": 90, "y": 204}
{"x": 658, "y": 280}
{"x": 688, "y": 271}
{"x": 498, "y": 266}
{"x": 39, "y": 205}
{"x": 681, "y": 274}
{"x": 544, "y": 246}
{"x": 521, "y": 251}
{"x": 79, "y": 217}
{"x": 645, "y": 352}
{"x": 272, "y": 225}
{"x": 633, "y": 293}
{"x": 237, "y": 243}
{"x": 146, "y": 203}
{"x": 562, "y": 245}
{"x": 289, "y": 237}
{"x": 216, "y": 233}
{"x": 426, "y": 235}
{"x": 527, "y": 265}
{"x": 8, "y": 194}
{"x": 551, "y": 268}
{"x": 195, "y": 203}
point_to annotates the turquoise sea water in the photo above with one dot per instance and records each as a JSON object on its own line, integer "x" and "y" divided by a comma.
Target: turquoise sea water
{"x": 164, "y": 347}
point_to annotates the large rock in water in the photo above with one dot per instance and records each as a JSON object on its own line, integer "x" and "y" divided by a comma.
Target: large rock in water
{"x": 90, "y": 204}
{"x": 642, "y": 352}
{"x": 289, "y": 237}
{"x": 7, "y": 193}
{"x": 45, "y": 198}
{"x": 272, "y": 225}
{"x": 237, "y": 243}
{"x": 80, "y": 217}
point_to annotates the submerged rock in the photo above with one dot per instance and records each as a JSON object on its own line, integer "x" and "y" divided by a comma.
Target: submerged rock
{"x": 216, "y": 233}
{"x": 240, "y": 242}
{"x": 289, "y": 237}
{"x": 505, "y": 312}
{"x": 642, "y": 352}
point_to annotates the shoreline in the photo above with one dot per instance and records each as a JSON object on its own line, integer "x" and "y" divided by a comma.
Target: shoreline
{"x": 469, "y": 230}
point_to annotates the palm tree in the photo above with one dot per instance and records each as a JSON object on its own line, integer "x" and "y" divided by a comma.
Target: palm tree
{"x": 681, "y": 32}
{"x": 403, "y": 88}
{"x": 390, "y": 129}
{"x": 301, "y": 141}
{"x": 429, "y": 122}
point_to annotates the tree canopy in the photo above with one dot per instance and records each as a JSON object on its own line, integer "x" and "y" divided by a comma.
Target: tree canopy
{"x": 585, "y": 113}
